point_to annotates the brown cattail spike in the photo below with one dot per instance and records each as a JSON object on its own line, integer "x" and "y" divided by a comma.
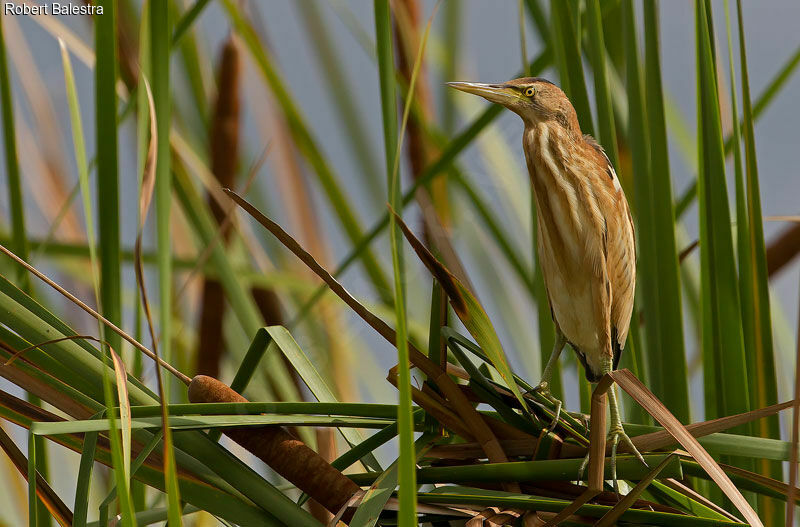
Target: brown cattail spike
{"x": 224, "y": 146}
{"x": 284, "y": 453}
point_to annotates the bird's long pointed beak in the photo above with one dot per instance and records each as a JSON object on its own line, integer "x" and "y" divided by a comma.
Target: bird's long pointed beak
{"x": 497, "y": 93}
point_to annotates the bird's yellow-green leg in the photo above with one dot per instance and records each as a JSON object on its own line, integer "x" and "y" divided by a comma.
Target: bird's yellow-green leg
{"x": 544, "y": 385}
{"x": 616, "y": 433}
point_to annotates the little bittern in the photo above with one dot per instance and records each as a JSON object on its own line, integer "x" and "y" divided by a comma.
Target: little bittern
{"x": 585, "y": 239}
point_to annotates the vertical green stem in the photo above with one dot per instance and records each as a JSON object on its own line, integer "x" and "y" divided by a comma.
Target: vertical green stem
{"x": 159, "y": 57}
{"x": 18, "y": 234}
{"x": 760, "y": 355}
{"x": 451, "y": 13}
{"x": 159, "y": 12}
{"x": 675, "y": 389}
{"x": 523, "y": 46}
{"x": 606, "y": 130}
{"x": 570, "y": 62}
{"x": 107, "y": 166}
{"x": 33, "y": 508}
{"x": 639, "y": 145}
{"x": 407, "y": 470}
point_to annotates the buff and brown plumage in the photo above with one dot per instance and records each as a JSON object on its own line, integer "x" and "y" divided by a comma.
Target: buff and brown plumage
{"x": 585, "y": 232}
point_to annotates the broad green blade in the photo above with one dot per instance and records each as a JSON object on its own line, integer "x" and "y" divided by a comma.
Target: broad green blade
{"x": 754, "y": 281}
{"x": 725, "y": 374}
{"x": 658, "y": 260}
{"x": 137, "y": 463}
{"x": 725, "y": 365}
{"x": 73, "y": 361}
{"x": 108, "y": 220}
{"x": 84, "y": 480}
{"x": 628, "y": 467}
{"x": 382, "y": 411}
{"x": 19, "y": 234}
{"x": 606, "y": 130}
{"x": 160, "y": 76}
{"x": 201, "y": 422}
{"x": 570, "y": 61}
{"x": 665, "y": 273}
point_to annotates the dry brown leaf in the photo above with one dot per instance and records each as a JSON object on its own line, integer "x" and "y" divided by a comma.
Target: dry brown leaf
{"x": 639, "y": 392}
{"x": 663, "y": 439}
{"x": 437, "y": 408}
{"x": 149, "y": 171}
{"x": 539, "y": 519}
{"x": 792, "y": 219}
{"x": 145, "y": 197}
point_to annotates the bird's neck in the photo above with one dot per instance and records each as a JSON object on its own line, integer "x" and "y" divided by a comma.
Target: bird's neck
{"x": 550, "y": 151}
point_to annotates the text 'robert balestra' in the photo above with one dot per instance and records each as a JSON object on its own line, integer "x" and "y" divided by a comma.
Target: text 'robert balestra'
{"x": 10, "y": 8}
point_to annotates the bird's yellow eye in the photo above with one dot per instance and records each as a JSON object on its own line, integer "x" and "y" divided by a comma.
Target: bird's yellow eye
{"x": 529, "y": 92}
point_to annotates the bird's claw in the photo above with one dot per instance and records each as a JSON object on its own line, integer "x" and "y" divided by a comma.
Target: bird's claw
{"x": 615, "y": 436}
{"x": 544, "y": 389}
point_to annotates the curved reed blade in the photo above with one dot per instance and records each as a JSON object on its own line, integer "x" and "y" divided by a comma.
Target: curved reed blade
{"x": 656, "y": 408}
{"x": 663, "y": 439}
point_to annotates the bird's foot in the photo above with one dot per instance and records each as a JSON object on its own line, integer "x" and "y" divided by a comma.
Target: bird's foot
{"x": 543, "y": 388}
{"x": 615, "y": 436}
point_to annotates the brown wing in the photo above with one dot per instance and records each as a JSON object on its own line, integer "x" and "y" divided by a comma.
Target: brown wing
{"x": 620, "y": 254}
{"x": 621, "y": 267}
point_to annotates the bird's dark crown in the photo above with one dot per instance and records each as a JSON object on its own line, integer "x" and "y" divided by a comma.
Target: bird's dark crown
{"x": 524, "y": 81}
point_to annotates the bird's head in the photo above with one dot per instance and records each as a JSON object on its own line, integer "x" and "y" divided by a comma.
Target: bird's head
{"x": 534, "y": 99}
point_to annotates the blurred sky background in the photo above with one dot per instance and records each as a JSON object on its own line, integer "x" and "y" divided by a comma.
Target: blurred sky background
{"x": 490, "y": 52}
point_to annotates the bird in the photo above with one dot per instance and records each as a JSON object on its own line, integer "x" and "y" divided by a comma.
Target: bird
{"x": 585, "y": 235}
